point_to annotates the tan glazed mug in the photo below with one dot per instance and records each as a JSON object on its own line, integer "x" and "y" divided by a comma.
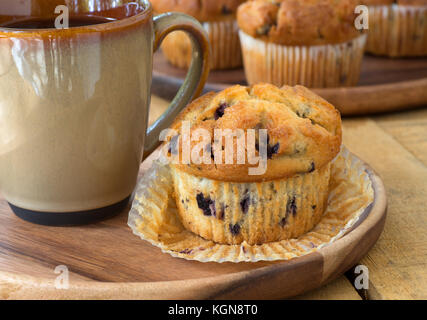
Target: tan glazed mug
{"x": 74, "y": 103}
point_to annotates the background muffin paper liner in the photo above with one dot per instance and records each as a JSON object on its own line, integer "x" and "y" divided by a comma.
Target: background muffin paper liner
{"x": 154, "y": 217}
{"x": 320, "y": 66}
{"x": 397, "y": 30}
{"x": 224, "y": 40}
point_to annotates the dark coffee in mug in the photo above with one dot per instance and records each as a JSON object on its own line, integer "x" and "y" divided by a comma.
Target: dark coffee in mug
{"x": 49, "y": 23}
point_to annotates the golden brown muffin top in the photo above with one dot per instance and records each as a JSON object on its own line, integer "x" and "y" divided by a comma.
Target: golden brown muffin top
{"x": 399, "y": 2}
{"x": 303, "y": 131}
{"x": 296, "y": 22}
{"x": 202, "y": 10}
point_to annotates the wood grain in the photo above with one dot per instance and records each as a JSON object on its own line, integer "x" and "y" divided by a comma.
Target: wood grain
{"x": 385, "y": 84}
{"x": 409, "y": 129}
{"x": 398, "y": 262}
{"x": 339, "y": 289}
{"x": 106, "y": 260}
{"x": 377, "y": 98}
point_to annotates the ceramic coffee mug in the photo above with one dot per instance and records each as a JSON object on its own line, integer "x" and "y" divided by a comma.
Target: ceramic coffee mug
{"x": 74, "y": 103}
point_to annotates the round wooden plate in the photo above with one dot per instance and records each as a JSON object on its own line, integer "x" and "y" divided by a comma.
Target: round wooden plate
{"x": 107, "y": 261}
{"x": 385, "y": 84}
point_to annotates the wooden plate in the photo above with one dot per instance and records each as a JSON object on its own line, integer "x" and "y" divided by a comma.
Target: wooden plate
{"x": 385, "y": 84}
{"x": 106, "y": 260}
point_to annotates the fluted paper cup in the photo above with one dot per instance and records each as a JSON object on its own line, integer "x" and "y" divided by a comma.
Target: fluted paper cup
{"x": 397, "y": 31}
{"x": 256, "y": 213}
{"x": 224, "y": 40}
{"x": 332, "y": 65}
{"x": 154, "y": 217}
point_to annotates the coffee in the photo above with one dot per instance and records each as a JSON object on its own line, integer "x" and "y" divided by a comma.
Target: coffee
{"x": 49, "y": 23}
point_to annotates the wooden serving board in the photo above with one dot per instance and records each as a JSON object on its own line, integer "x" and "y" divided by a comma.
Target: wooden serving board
{"x": 385, "y": 84}
{"x": 106, "y": 260}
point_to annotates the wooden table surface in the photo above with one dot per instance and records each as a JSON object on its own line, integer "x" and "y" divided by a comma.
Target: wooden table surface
{"x": 395, "y": 145}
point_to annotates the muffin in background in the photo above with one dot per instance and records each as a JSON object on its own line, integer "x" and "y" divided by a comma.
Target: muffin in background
{"x": 218, "y": 17}
{"x": 397, "y": 28}
{"x": 312, "y": 43}
{"x": 223, "y": 202}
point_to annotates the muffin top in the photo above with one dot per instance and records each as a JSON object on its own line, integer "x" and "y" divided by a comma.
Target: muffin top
{"x": 202, "y": 10}
{"x": 303, "y": 132}
{"x": 399, "y": 2}
{"x": 296, "y": 22}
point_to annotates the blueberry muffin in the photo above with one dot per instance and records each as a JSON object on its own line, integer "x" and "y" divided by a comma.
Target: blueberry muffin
{"x": 218, "y": 17}
{"x": 397, "y": 28}
{"x": 312, "y": 43}
{"x": 221, "y": 201}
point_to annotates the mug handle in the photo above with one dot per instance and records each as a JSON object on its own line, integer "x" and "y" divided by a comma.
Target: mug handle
{"x": 197, "y": 73}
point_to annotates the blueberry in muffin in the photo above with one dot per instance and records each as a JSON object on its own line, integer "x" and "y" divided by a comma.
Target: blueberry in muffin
{"x": 221, "y": 201}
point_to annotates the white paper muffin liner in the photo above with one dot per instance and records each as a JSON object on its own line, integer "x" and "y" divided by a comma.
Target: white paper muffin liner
{"x": 397, "y": 30}
{"x": 268, "y": 216}
{"x": 154, "y": 217}
{"x": 321, "y": 66}
{"x": 224, "y": 41}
